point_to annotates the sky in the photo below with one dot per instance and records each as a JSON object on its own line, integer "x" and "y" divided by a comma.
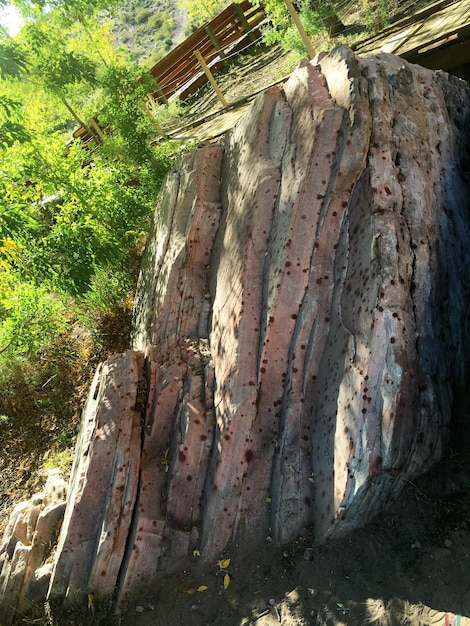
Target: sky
{"x": 10, "y": 19}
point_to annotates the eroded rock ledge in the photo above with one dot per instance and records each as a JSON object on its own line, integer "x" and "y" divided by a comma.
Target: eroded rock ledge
{"x": 301, "y": 322}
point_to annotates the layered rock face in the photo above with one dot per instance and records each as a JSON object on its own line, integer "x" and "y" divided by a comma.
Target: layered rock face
{"x": 301, "y": 322}
{"x": 26, "y": 547}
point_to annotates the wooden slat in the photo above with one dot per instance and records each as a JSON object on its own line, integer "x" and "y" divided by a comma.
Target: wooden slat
{"x": 444, "y": 22}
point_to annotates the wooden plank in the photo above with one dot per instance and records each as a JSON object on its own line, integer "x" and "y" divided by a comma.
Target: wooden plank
{"x": 199, "y": 38}
{"x": 212, "y": 39}
{"x": 449, "y": 20}
{"x": 445, "y": 58}
{"x": 183, "y": 50}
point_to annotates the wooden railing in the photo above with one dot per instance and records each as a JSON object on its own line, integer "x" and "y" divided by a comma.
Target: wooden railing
{"x": 179, "y": 73}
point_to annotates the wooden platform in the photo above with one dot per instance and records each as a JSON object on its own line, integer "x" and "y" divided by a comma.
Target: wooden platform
{"x": 437, "y": 37}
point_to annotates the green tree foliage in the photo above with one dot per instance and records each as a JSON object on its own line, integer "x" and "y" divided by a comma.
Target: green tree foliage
{"x": 11, "y": 128}
{"x": 201, "y": 11}
{"x": 315, "y": 16}
{"x": 12, "y": 60}
{"x": 12, "y": 64}
{"x": 73, "y": 216}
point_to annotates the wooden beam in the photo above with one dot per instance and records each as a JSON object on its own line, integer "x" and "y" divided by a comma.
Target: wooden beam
{"x": 243, "y": 21}
{"x": 306, "y": 41}
{"x": 210, "y": 77}
{"x": 215, "y": 41}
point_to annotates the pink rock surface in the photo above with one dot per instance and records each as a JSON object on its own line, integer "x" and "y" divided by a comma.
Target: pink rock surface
{"x": 26, "y": 545}
{"x": 103, "y": 484}
{"x": 301, "y": 321}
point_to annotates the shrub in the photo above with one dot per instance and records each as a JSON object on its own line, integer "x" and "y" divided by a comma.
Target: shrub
{"x": 143, "y": 15}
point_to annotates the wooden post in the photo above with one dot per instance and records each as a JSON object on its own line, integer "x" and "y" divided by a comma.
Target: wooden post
{"x": 149, "y": 114}
{"x": 96, "y": 129}
{"x": 159, "y": 92}
{"x": 210, "y": 77}
{"x": 215, "y": 41}
{"x": 300, "y": 28}
{"x": 243, "y": 21}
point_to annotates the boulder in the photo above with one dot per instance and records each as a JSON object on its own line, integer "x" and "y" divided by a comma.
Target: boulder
{"x": 27, "y": 544}
{"x": 301, "y": 323}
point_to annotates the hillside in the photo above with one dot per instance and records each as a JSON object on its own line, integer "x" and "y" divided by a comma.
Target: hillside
{"x": 147, "y": 28}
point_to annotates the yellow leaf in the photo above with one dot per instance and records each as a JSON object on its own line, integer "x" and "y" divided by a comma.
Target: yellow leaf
{"x": 202, "y": 588}
{"x": 191, "y": 591}
{"x": 223, "y": 564}
{"x": 268, "y": 499}
{"x": 311, "y": 480}
{"x": 226, "y": 581}
{"x": 196, "y": 553}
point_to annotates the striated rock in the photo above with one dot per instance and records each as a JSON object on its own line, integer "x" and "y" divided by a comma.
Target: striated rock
{"x": 300, "y": 325}
{"x": 338, "y": 327}
{"x": 26, "y": 545}
{"x": 103, "y": 483}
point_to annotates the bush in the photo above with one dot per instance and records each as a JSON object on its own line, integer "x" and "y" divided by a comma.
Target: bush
{"x": 282, "y": 29}
{"x": 142, "y": 15}
{"x": 156, "y": 21}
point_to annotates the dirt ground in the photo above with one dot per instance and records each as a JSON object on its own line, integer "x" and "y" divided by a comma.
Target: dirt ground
{"x": 411, "y": 566}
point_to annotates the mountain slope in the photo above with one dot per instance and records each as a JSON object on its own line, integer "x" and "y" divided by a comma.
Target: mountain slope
{"x": 147, "y": 28}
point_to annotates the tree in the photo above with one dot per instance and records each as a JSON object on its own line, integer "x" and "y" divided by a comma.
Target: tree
{"x": 13, "y": 64}
{"x": 71, "y": 216}
{"x": 315, "y": 15}
{"x": 202, "y": 11}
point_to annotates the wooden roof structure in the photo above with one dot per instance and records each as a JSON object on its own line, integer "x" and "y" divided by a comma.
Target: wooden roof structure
{"x": 437, "y": 37}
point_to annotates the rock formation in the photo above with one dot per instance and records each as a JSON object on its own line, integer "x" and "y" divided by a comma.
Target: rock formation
{"x": 26, "y": 547}
{"x": 301, "y": 322}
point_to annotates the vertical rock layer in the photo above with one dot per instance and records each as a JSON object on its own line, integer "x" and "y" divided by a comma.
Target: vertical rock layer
{"x": 337, "y": 290}
{"x": 301, "y": 322}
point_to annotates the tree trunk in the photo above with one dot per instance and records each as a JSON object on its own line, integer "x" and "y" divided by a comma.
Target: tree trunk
{"x": 301, "y": 321}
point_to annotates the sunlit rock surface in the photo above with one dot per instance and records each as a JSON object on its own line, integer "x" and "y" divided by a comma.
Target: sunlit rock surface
{"x": 25, "y": 550}
{"x": 301, "y": 321}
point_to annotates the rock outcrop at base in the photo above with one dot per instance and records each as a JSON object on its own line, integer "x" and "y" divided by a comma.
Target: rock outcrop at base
{"x": 301, "y": 322}
{"x": 27, "y": 546}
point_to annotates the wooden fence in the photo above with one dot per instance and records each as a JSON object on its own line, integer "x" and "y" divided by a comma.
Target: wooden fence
{"x": 179, "y": 73}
